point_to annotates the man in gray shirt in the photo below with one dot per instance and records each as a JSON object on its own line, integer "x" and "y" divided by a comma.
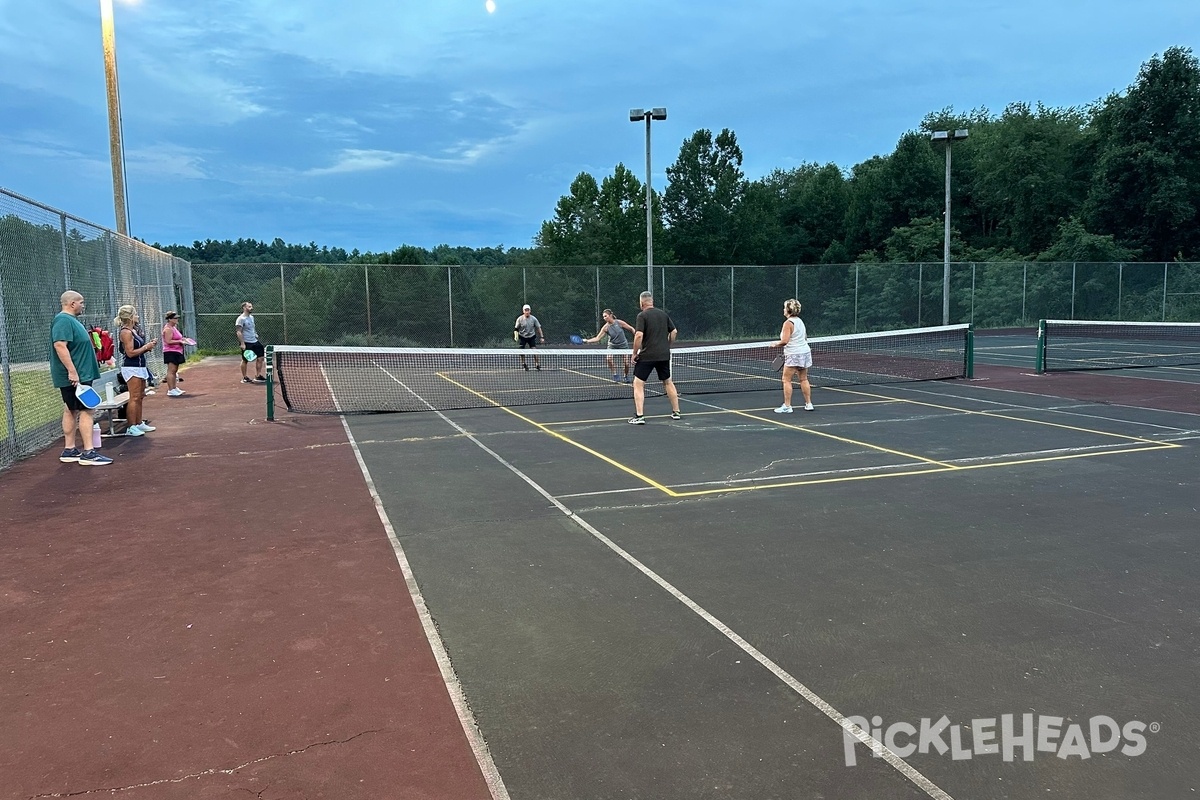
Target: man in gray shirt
{"x": 527, "y": 330}
{"x": 248, "y": 341}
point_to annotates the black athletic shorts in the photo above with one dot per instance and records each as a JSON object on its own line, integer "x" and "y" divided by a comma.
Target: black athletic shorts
{"x": 527, "y": 341}
{"x": 642, "y": 370}
{"x": 70, "y": 400}
{"x": 174, "y": 358}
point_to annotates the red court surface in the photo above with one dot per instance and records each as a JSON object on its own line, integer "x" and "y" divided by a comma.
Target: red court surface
{"x": 218, "y": 614}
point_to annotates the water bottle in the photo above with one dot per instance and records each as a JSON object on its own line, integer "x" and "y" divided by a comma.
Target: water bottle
{"x": 96, "y": 441}
{"x": 109, "y": 391}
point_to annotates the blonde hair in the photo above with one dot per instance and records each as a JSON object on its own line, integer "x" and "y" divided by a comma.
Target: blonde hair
{"x": 125, "y": 315}
{"x": 792, "y": 307}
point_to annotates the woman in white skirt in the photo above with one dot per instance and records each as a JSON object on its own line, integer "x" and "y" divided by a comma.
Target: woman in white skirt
{"x": 797, "y": 356}
{"x": 133, "y": 367}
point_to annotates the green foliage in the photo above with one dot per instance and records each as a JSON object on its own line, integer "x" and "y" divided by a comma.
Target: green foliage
{"x": 1145, "y": 187}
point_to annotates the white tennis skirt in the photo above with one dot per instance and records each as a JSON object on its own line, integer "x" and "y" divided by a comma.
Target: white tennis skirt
{"x": 803, "y": 360}
{"x": 135, "y": 372}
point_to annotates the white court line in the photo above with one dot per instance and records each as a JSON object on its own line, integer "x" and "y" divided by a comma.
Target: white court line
{"x": 1001, "y": 457}
{"x": 466, "y": 719}
{"x": 877, "y": 747}
{"x": 1075, "y": 404}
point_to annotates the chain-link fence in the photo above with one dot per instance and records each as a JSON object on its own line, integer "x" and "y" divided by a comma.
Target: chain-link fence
{"x": 472, "y": 306}
{"x": 44, "y": 252}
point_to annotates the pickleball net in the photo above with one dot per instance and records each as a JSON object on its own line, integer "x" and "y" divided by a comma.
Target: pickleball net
{"x": 363, "y": 380}
{"x": 1068, "y": 345}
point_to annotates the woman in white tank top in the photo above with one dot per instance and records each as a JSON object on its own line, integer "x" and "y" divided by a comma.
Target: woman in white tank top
{"x": 797, "y": 356}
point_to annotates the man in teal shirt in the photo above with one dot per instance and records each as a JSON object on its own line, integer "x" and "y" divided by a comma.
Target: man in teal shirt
{"x": 72, "y": 362}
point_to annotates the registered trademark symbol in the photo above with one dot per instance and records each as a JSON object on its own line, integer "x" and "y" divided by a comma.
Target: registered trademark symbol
{"x": 1155, "y": 727}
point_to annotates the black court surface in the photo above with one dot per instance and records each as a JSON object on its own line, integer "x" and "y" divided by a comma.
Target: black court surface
{"x": 995, "y": 591}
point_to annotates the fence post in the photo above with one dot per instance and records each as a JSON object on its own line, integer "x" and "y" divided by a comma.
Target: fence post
{"x": 1120, "y": 285}
{"x": 66, "y": 261}
{"x": 367, "y": 295}
{"x": 8, "y": 448}
{"x": 920, "y": 288}
{"x": 1073, "y": 265}
{"x": 283, "y": 302}
{"x": 450, "y": 300}
{"x": 972, "y": 320}
{"x": 112, "y": 281}
{"x": 856, "y": 298}
{"x": 730, "y": 302}
{"x": 1164, "y": 303}
{"x": 1024, "y": 281}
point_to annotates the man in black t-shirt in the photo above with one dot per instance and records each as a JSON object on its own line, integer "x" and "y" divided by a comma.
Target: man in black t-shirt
{"x": 653, "y": 334}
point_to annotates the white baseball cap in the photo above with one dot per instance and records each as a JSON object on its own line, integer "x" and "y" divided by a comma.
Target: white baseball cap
{"x": 524, "y": 308}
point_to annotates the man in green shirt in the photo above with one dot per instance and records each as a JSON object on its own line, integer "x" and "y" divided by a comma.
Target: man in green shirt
{"x": 72, "y": 362}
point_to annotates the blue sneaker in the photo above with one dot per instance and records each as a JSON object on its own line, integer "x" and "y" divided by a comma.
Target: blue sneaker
{"x": 90, "y": 458}
{"x": 69, "y": 455}
{"x": 616, "y": 378}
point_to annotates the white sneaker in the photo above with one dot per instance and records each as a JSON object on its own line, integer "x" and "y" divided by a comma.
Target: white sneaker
{"x": 784, "y": 409}
{"x": 134, "y": 430}
{"x": 174, "y": 392}
{"x": 808, "y": 407}
{"x": 146, "y": 427}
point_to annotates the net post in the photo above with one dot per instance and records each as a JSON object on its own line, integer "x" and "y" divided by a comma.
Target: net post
{"x": 970, "y": 351}
{"x": 1040, "y": 364}
{"x": 270, "y": 383}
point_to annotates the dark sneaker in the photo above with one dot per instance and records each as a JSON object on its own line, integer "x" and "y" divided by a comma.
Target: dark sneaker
{"x": 260, "y": 379}
{"x": 247, "y": 380}
{"x": 626, "y": 379}
{"x": 638, "y": 420}
{"x": 616, "y": 378}
{"x": 676, "y": 415}
{"x": 90, "y": 458}
{"x": 69, "y": 456}
{"x": 538, "y": 367}
{"x": 525, "y": 367}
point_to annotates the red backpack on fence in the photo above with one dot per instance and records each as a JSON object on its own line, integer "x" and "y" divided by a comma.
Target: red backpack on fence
{"x": 103, "y": 343}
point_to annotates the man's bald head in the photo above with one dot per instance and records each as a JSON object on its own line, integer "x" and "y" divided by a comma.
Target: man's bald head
{"x": 72, "y": 302}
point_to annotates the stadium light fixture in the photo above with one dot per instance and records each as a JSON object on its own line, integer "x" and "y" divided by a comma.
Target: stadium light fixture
{"x": 115, "y": 146}
{"x": 948, "y": 137}
{"x": 637, "y": 115}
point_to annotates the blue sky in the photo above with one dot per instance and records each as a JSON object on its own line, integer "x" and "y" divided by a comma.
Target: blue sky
{"x": 373, "y": 123}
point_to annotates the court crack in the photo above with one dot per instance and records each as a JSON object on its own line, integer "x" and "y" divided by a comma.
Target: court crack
{"x": 207, "y": 772}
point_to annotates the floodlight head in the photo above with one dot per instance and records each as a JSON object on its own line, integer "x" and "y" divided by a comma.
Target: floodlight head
{"x": 961, "y": 133}
{"x": 637, "y": 114}
{"x": 939, "y": 136}
{"x": 658, "y": 113}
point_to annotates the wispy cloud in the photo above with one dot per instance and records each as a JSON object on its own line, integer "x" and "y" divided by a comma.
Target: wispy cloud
{"x": 166, "y": 161}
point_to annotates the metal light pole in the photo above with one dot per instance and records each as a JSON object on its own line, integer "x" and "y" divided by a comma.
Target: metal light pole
{"x": 115, "y": 148}
{"x": 947, "y": 137}
{"x": 637, "y": 115}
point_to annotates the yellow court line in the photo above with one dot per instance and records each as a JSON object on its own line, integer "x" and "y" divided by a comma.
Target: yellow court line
{"x": 847, "y": 478}
{"x": 939, "y": 466}
{"x": 567, "y": 439}
{"x": 868, "y": 445}
{"x": 998, "y": 415}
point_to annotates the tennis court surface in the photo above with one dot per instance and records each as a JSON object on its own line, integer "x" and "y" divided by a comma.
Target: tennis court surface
{"x": 542, "y": 601}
